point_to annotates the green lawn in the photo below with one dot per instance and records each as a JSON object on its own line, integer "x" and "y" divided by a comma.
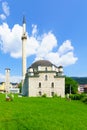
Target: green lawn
{"x": 42, "y": 114}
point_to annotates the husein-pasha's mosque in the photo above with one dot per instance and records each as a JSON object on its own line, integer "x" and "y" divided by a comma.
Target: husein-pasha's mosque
{"x": 42, "y": 77}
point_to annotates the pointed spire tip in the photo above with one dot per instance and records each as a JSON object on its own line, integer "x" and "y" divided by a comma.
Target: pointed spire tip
{"x": 24, "y": 21}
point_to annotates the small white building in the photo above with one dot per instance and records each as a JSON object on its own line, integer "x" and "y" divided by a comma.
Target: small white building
{"x": 14, "y": 90}
{"x": 43, "y": 77}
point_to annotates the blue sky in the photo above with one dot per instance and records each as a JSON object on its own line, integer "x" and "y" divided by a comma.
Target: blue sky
{"x": 56, "y": 30}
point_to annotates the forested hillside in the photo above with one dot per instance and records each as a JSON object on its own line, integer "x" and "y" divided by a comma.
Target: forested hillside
{"x": 81, "y": 80}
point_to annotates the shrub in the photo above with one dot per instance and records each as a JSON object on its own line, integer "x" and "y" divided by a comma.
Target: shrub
{"x": 71, "y": 96}
{"x": 55, "y": 95}
{"x": 44, "y": 95}
{"x": 77, "y": 96}
{"x": 84, "y": 99}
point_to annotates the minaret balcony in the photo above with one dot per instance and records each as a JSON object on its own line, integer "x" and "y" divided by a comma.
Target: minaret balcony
{"x": 24, "y": 36}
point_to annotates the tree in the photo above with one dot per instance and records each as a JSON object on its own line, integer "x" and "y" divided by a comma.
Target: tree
{"x": 20, "y": 86}
{"x": 70, "y": 85}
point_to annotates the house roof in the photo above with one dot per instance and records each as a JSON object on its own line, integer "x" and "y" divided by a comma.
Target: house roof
{"x": 85, "y": 86}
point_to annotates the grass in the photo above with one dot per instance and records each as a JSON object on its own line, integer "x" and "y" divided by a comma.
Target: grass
{"x": 42, "y": 114}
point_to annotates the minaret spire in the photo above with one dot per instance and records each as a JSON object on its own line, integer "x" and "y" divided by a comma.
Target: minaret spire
{"x": 24, "y": 40}
{"x": 24, "y": 26}
{"x": 24, "y": 20}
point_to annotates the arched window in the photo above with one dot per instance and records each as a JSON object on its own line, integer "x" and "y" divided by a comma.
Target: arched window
{"x": 46, "y": 69}
{"x": 39, "y": 84}
{"x": 46, "y": 77}
{"x": 40, "y": 93}
{"x": 52, "y": 85}
{"x": 52, "y": 93}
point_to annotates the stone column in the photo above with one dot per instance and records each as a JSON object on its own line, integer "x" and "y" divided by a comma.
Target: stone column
{"x": 7, "y": 79}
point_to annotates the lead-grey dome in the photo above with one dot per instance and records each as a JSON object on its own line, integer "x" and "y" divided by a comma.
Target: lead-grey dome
{"x": 41, "y": 63}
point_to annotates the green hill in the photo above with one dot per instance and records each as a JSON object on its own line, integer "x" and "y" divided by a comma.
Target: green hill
{"x": 81, "y": 80}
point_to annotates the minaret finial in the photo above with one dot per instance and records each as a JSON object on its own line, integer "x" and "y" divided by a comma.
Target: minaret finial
{"x": 24, "y": 26}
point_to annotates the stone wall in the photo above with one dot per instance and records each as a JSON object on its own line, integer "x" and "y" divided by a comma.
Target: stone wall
{"x": 46, "y": 80}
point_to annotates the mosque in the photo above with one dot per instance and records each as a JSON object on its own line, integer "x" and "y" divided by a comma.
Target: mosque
{"x": 42, "y": 77}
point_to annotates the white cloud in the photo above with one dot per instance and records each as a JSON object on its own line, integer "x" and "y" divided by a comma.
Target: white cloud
{"x": 5, "y": 8}
{"x": 10, "y": 39}
{"x": 65, "y": 47}
{"x": 2, "y": 78}
{"x": 41, "y": 46}
{"x": 34, "y": 29}
{"x": 2, "y": 16}
{"x": 68, "y": 59}
{"x": 13, "y": 79}
{"x": 65, "y": 60}
{"x": 32, "y": 45}
{"x": 46, "y": 45}
{"x": 54, "y": 58}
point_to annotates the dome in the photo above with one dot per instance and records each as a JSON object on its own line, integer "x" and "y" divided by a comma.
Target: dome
{"x": 60, "y": 66}
{"x": 41, "y": 63}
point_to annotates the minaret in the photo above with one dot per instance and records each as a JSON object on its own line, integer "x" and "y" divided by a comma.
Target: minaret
{"x": 24, "y": 40}
{"x": 7, "y": 79}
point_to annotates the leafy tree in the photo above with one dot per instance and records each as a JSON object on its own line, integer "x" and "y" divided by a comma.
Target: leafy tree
{"x": 20, "y": 86}
{"x": 70, "y": 85}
